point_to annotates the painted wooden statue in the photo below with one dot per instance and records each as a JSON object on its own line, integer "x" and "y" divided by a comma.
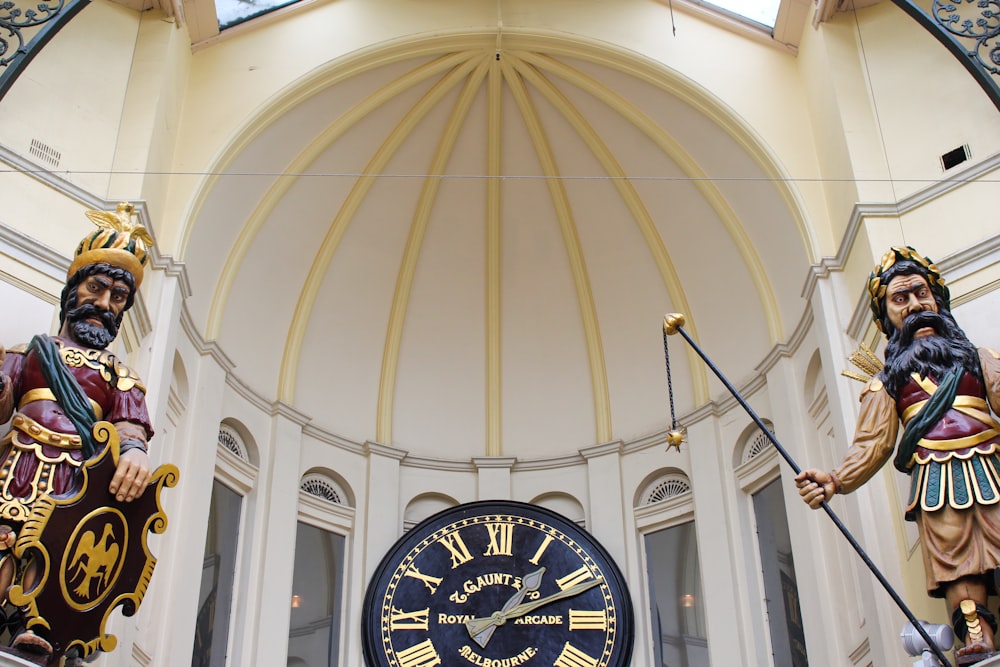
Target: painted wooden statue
{"x": 77, "y": 496}
{"x": 941, "y": 388}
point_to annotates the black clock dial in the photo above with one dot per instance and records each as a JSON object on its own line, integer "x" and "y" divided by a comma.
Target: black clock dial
{"x": 497, "y": 584}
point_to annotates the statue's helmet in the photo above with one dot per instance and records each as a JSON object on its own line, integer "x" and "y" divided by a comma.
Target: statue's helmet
{"x": 900, "y": 261}
{"x": 118, "y": 242}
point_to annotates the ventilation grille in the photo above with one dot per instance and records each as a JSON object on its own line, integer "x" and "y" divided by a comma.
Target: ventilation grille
{"x": 45, "y": 153}
{"x": 755, "y": 446}
{"x": 323, "y": 487}
{"x": 230, "y": 439}
{"x": 667, "y": 486}
{"x": 955, "y": 157}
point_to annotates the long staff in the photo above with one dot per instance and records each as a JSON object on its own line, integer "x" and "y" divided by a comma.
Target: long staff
{"x": 674, "y": 323}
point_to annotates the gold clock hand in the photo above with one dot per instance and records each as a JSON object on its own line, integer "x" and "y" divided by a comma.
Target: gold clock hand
{"x": 487, "y": 624}
{"x": 481, "y": 629}
{"x": 522, "y": 609}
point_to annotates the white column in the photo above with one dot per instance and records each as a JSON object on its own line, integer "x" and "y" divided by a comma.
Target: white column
{"x": 604, "y": 484}
{"x": 725, "y": 595}
{"x": 265, "y": 640}
{"x": 494, "y": 477}
{"x": 383, "y": 524}
{"x": 168, "y": 615}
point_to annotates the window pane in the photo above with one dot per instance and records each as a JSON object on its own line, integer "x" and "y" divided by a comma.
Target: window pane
{"x": 678, "y": 612}
{"x": 313, "y": 640}
{"x": 760, "y": 11}
{"x": 215, "y": 600}
{"x": 788, "y": 642}
{"x": 233, "y": 12}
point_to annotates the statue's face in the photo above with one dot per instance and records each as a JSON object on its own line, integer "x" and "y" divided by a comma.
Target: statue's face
{"x": 92, "y": 321}
{"x": 908, "y": 294}
{"x": 101, "y": 291}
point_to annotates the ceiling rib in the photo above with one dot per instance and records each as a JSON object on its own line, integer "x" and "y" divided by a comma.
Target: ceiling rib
{"x": 640, "y": 214}
{"x": 310, "y": 289}
{"x": 279, "y": 188}
{"x": 689, "y": 167}
{"x": 494, "y": 153}
{"x": 663, "y": 78}
{"x": 567, "y": 225}
{"x": 414, "y": 243}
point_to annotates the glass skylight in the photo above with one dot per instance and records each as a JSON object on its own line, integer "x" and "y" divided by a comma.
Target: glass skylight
{"x": 232, "y": 12}
{"x": 759, "y": 11}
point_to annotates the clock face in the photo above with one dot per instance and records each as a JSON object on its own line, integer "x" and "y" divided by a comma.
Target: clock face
{"x": 497, "y": 584}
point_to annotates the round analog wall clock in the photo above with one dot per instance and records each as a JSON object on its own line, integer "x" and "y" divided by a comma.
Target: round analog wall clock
{"x": 497, "y": 584}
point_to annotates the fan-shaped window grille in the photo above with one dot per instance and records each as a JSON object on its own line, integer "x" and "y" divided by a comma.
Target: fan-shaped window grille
{"x": 667, "y": 486}
{"x": 756, "y": 444}
{"x": 323, "y": 487}
{"x": 231, "y": 440}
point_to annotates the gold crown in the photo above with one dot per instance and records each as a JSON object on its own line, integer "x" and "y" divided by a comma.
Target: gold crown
{"x": 876, "y": 288}
{"x": 118, "y": 242}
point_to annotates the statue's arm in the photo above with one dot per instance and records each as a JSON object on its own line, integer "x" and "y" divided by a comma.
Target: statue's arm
{"x": 131, "y": 420}
{"x": 874, "y": 441}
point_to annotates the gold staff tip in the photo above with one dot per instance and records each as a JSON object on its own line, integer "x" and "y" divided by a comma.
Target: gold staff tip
{"x": 672, "y": 322}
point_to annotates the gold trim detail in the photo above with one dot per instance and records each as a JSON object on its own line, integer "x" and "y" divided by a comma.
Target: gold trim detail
{"x": 958, "y": 443}
{"x": 115, "y": 373}
{"x": 43, "y": 435}
{"x": 45, "y": 394}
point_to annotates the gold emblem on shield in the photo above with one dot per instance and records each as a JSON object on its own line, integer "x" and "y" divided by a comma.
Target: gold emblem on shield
{"x": 94, "y": 557}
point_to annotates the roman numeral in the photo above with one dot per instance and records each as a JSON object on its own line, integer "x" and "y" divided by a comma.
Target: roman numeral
{"x": 420, "y": 655}
{"x": 459, "y": 552}
{"x": 430, "y": 582}
{"x": 575, "y": 577}
{"x": 501, "y": 539}
{"x": 588, "y": 620}
{"x": 574, "y": 657}
{"x": 409, "y": 620}
{"x": 538, "y": 554}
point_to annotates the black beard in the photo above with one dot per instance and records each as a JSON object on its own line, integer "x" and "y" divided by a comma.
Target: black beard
{"x": 929, "y": 356}
{"x": 96, "y": 336}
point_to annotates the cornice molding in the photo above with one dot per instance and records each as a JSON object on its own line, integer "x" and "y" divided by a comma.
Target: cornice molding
{"x": 31, "y": 252}
{"x": 384, "y": 451}
{"x": 282, "y": 409}
{"x": 863, "y": 210}
{"x": 604, "y": 449}
{"x": 493, "y": 462}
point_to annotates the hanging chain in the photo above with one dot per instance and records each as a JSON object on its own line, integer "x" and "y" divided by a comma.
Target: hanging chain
{"x": 670, "y": 383}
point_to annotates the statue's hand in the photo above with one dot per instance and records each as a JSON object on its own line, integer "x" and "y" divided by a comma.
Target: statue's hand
{"x": 815, "y": 486}
{"x": 131, "y": 475}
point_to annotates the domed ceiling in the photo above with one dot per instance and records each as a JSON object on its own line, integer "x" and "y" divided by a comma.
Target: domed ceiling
{"x": 464, "y": 249}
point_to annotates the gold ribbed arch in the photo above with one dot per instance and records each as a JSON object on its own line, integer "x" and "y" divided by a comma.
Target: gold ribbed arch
{"x": 529, "y": 65}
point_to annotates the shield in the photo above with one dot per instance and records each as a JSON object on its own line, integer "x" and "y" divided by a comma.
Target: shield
{"x": 90, "y": 552}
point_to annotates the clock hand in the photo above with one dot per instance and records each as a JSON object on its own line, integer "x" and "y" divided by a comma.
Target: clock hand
{"x": 522, "y": 609}
{"x": 479, "y": 626}
{"x": 481, "y": 629}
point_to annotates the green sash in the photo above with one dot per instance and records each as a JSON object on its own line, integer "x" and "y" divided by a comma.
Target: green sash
{"x": 921, "y": 424}
{"x": 68, "y": 392}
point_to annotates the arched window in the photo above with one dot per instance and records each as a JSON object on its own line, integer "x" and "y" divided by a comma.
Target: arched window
{"x": 665, "y": 516}
{"x": 759, "y": 476}
{"x": 235, "y": 476}
{"x": 317, "y": 606}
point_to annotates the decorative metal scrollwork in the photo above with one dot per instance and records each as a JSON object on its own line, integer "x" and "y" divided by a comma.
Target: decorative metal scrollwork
{"x": 977, "y": 20}
{"x": 23, "y": 33}
{"x": 13, "y": 21}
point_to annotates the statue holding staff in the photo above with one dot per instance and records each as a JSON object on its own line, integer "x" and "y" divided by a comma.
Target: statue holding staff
{"x": 941, "y": 388}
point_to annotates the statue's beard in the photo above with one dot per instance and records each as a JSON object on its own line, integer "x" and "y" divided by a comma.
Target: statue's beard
{"x": 97, "y": 336}
{"x": 929, "y": 356}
